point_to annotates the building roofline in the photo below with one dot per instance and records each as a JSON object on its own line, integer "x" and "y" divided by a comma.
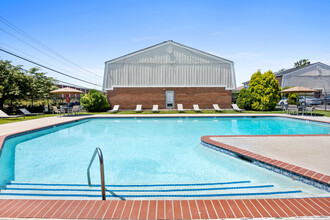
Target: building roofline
{"x": 167, "y": 42}
{"x": 291, "y": 70}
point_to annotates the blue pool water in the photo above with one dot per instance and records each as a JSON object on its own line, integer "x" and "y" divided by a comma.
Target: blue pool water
{"x": 146, "y": 151}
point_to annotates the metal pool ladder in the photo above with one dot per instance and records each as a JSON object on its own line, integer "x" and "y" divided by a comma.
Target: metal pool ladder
{"x": 99, "y": 152}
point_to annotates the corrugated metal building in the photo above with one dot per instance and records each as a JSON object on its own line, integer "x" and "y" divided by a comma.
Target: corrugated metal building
{"x": 167, "y": 74}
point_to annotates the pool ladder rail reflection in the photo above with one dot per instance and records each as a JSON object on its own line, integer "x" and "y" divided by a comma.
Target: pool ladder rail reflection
{"x": 99, "y": 153}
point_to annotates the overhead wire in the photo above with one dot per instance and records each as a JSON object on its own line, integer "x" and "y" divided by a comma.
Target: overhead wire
{"x": 38, "y": 59}
{"x": 65, "y": 74}
{"x": 13, "y": 27}
{"x": 34, "y": 47}
{"x": 60, "y": 81}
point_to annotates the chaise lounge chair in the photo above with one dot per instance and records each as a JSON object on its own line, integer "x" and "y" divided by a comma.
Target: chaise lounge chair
{"x": 155, "y": 108}
{"x": 115, "y": 109}
{"x": 196, "y": 108}
{"x": 4, "y": 115}
{"x": 27, "y": 113}
{"x": 138, "y": 108}
{"x": 236, "y": 108}
{"x": 180, "y": 108}
{"x": 217, "y": 108}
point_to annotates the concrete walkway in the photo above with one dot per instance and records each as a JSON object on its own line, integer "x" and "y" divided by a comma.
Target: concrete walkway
{"x": 310, "y": 152}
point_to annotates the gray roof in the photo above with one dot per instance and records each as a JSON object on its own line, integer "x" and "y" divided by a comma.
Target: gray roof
{"x": 281, "y": 73}
{"x": 284, "y": 72}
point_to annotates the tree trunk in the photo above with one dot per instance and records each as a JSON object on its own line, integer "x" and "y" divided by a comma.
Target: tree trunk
{"x": 2, "y": 101}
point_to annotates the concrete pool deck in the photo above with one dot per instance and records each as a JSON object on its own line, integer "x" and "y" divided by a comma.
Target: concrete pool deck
{"x": 171, "y": 209}
{"x": 298, "y": 150}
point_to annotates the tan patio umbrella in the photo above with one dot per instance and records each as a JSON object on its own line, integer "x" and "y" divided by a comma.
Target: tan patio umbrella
{"x": 66, "y": 91}
{"x": 298, "y": 89}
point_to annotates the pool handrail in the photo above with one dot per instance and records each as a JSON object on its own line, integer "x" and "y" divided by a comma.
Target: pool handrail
{"x": 99, "y": 152}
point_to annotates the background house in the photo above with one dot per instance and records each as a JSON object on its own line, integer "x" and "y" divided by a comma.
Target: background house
{"x": 167, "y": 74}
{"x": 314, "y": 76}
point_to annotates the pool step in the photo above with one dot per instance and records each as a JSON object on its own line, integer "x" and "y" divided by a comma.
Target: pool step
{"x": 156, "y": 191}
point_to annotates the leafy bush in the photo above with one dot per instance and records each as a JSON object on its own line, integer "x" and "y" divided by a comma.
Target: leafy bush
{"x": 234, "y": 96}
{"x": 244, "y": 99}
{"x": 292, "y": 97}
{"x": 94, "y": 101}
{"x": 264, "y": 91}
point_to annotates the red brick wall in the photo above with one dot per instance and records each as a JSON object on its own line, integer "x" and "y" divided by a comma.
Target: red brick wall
{"x": 205, "y": 97}
{"x": 279, "y": 80}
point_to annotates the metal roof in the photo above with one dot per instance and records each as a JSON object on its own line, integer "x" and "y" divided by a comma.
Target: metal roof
{"x": 168, "y": 42}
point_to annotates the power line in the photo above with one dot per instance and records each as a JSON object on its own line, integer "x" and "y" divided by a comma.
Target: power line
{"x": 12, "y": 26}
{"x": 49, "y": 68}
{"x": 41, "y": 50}
{"x": 77, "y": 86}
{"x": 31, "y": 56}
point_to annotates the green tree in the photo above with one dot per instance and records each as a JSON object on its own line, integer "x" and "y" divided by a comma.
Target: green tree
{"x": 12, "y": 82}
{"x": 302, "y": 62}
{"x": 244, "y": 100}
{"x": 264, "y": 90}
{"x": 292, "y": 97}
{"x": 39, "y": 84}
{"x": 94, "y": 101}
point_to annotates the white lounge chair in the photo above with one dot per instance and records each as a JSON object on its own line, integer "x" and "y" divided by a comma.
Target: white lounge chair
{"x": 196, "y": 108}
{"x": 236, "y": 108}
{"x": 4, "y": 115}
{"x": 27, "y": 113}
{"x": 217, "y": 108}
{"x": 180, "y": 108}
{"x": 138, "y": 108}
{"x": 115, "y": 109}
{"x": 155, "y": 108}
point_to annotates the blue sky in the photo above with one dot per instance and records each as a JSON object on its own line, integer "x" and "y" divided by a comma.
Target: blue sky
{"x": 266, "y": 35}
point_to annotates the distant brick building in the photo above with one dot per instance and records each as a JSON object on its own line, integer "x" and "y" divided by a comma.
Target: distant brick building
{"x": 78, "y": 96}
{"x": 167, "y": 74}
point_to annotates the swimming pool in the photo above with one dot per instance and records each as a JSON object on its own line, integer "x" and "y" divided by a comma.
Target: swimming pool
{"x": 147, "y": 151}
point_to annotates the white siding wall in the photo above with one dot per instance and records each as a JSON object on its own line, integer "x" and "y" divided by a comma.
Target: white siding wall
{"x": 169, "y": 64}
{"x": 314, "y": 77}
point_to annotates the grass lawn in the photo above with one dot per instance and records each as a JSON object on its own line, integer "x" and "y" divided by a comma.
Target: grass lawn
{"x": 10, "y": 120}
{"x": 279, "y": 111}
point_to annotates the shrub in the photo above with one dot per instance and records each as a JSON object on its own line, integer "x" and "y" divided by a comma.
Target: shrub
{"x": 264, "y": 91}
{"x": 234, "y": 96}
{"x": 94, "y": 101}
{"x": 292, "y": 97}
{"x": 244, "y": 99}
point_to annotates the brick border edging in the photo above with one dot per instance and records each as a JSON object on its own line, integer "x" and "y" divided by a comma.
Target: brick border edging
{"x": 165, "y": 209}
{"x": 310, "y": 174}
